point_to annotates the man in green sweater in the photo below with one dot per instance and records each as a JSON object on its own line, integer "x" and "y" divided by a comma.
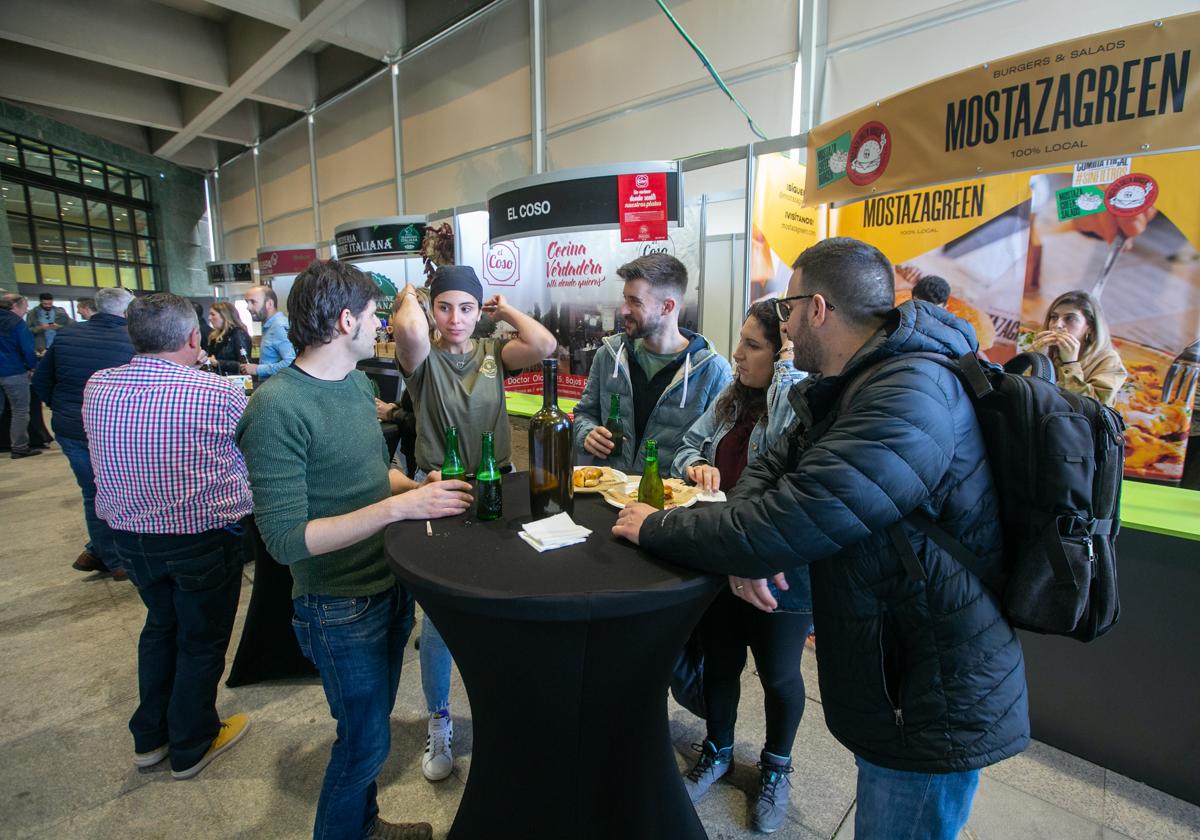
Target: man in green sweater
{"x": 323, "y": 494}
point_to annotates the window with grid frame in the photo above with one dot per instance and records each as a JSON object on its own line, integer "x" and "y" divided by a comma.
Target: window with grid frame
{"x": 76, "y": 221}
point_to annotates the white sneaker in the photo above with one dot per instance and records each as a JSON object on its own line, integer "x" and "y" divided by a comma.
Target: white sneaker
{"x": 438, "y": 761}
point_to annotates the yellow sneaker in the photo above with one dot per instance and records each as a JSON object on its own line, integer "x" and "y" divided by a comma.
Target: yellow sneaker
{"x": 232, "y": 729}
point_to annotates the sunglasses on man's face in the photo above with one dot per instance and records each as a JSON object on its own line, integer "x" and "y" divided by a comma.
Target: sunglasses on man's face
{"x": 783, "y": 306}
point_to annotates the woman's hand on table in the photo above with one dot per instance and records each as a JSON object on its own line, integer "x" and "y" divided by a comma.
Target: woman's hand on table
{"x": 755, "y": 592}
{"x": 705, "y": 476}
{"x": 433, "y": 501}
{"x": 630, "y": 519}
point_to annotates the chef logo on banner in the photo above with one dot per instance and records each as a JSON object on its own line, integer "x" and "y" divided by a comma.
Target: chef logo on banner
{"x": 501, "y": 264}
{"x": 642, "y": 203}
{"x": 861, "y": 158}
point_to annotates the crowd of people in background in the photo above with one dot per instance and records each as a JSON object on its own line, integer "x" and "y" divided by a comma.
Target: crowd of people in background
{"x": 922, "y": 681}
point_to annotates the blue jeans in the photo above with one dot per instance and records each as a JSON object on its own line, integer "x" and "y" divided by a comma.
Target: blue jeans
{"x": 358, "y": 646}
{"x": 435, "y": 667}
{"x": 100, "y": 536}
{"x": 190, "y": 584}
{"x": 898, "y": 805}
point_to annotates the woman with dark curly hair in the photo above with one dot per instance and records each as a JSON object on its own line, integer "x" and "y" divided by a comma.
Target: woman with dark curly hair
{"x": 751, "y": 414}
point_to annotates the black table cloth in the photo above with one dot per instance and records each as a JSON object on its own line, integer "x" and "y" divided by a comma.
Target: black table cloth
{"x": 268, "y": 649}
{"x": 566, "y": 657}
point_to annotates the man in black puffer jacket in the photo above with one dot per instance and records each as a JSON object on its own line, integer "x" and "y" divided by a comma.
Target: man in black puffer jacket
{"x": 923, "y": 680}
{"x": 79, "y": 351}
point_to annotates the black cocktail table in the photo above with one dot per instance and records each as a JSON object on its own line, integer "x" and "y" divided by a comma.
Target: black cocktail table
{"x": 566, "y": 657}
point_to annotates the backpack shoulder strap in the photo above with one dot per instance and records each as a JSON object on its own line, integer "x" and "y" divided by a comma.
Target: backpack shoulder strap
{"x": 967, "y": 558}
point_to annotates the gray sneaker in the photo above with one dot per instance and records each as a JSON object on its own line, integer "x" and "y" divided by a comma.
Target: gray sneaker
{"x": 771, "y": 803}
{"x": 710, "y": 766}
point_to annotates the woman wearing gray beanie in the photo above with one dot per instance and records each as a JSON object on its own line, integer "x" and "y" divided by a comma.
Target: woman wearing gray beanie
{"x": 457, "y": 380}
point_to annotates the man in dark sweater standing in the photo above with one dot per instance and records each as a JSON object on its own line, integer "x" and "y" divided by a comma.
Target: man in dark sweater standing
{"x": 100, "y": 342}
{"x": 323, "y": 494}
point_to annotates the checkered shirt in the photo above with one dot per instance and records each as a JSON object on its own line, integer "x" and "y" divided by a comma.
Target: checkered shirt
{"x": 161, "y": 440}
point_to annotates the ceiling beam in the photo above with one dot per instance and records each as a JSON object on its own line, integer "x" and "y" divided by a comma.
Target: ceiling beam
{"x": 277, "y": 58}
{"x": 375, "y": 29}
{"x": 294, "y": 86}
{"x": 156, "y": 40}
{"x": 199, "y": 154}
{"x": 241, "y": 125}
{"x": 72, "y": 84}
{"x": 282, "y": 13}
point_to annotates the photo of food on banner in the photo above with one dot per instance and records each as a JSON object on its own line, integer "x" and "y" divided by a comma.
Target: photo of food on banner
{"x": 973, "y": 234}
{"x": 1127, "y": 232}
{"x": 984, "y": 269}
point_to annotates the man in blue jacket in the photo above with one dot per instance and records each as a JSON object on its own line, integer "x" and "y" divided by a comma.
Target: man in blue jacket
{"x": 17, "y": 361}
{"x": 921, "y": 676}
{"x": 98, "y": 343}
{"x": 666, "y": 376}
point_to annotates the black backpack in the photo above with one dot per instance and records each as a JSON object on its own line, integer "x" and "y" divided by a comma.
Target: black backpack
{"x": 1057, "y": 459}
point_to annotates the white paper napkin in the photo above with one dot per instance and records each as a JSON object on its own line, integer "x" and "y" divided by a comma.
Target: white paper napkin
{"x": 553, "y": 532}
{"x": 715, "y": 496}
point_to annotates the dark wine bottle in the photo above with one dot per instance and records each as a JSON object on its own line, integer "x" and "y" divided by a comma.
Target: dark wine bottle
{"x": 650, "y": 490}
{"x": 489, "y": 498}
{"x": 452, "y": 462}
{"x": 551, "y": 452}
{"x": 613, "y": 424}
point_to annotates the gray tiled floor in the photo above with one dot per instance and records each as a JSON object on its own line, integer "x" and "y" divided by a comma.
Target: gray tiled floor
{"x": 68, "y": 684}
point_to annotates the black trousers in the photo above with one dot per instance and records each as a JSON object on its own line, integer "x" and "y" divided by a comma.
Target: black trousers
{"x": 777, "y": 641}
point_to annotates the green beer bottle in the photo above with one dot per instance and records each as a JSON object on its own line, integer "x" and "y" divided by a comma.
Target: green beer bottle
{"x": 613, "y": 424}
{"x": 490, "y": 500}
{"x": 650, "y": 490}
{"x": 452, "y": 462}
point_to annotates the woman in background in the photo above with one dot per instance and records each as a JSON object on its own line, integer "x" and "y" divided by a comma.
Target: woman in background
{"x": 740, "y": 425}
{"x": 228, "y": 340}
{"x": 1076, "y": 338}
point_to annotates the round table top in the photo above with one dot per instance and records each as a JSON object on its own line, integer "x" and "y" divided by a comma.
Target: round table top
{"x": 488, "y": 567}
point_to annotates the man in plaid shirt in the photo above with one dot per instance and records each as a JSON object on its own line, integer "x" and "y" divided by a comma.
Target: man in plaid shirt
{"x": 172, "y": 485}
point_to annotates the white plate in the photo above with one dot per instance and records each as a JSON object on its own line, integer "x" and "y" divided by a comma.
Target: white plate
{"x": 631, "y": 490}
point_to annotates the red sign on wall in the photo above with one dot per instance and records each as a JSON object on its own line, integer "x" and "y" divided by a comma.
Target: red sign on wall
{"x": 285, "y": 261}
{"x": 570, "y": 386}
{"x": 642, "y": 203}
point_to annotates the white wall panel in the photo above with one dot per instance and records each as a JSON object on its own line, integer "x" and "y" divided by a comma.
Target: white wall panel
{"x": 354, "y": 141}
{"x": 283, "y": 166}
{"x": 242, "y": 243}
{"x": 466, "y": 181}
{"x": 293, "y": 229}
{"x": 370, "y": 203}
{"x": 601, "y": 55}
{"x": 468, "y": 92}
{"x": 684, "y": 127}
{"x": 238, "y": 208}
